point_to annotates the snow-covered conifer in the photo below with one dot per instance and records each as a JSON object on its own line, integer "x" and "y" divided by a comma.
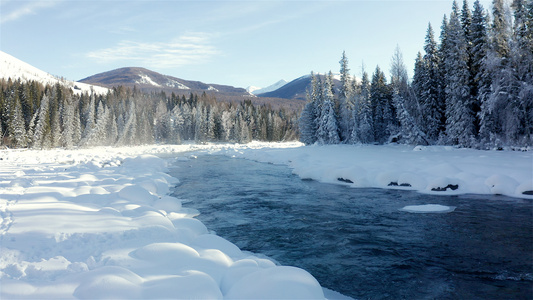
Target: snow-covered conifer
{"x": 345, "y": 100}
{"x": 16, "y": 125}
{"x": 363, "y": 131}
{"x": 308, "y": 117}
{"x": 459, "y": 103}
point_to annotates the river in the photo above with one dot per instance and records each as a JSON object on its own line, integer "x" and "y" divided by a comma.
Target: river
{"x": 357, "y": 241}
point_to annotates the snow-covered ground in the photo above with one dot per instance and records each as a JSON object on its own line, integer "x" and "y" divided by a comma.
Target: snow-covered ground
{"x": 98, "y": 223}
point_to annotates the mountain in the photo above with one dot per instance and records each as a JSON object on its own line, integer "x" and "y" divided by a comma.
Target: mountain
{"x": 11, "y": 67}
{"x": 257, "y": 90}
{"x": 149, "y": 81}
{"x": 297, "y": 89}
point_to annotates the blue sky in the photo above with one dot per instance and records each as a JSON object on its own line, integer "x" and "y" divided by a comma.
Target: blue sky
{"x": 238, "y": 43}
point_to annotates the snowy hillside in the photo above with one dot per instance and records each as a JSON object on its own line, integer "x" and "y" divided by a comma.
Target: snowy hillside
{"x": 11, "y": 67}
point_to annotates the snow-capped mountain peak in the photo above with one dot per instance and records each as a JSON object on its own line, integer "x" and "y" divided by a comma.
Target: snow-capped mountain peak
{"x": 257, "y": 90}
{"x": 11, "y": 67}
{"x": 252, "y": 88}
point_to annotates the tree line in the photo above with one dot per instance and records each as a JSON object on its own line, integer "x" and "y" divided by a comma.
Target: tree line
{"x": 36, "y": 116}
{"x": 473, "y": 88}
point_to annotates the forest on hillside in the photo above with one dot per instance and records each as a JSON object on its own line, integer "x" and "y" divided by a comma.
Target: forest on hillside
{"x": 473, "y": 88}
{"x": 44, "y": 117}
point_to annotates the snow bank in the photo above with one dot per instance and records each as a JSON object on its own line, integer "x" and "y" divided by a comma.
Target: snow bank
{"x": 93, "y": 224}
{"x": 434, "y": 170}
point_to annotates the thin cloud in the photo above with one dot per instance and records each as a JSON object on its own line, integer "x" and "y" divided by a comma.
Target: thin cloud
{"x": 29, "y": 8}
{"x": 185, "y": 50}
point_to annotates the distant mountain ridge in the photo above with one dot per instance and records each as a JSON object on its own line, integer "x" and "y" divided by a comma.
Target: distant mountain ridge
{"x": 148, "y": 81}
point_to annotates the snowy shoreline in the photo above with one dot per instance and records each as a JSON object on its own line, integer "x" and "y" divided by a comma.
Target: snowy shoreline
{"x": 439, "y": 170}
{"x": 98, "y": 223}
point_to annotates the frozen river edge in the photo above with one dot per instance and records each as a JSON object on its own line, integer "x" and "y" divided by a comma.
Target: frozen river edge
{"x": 98, "y": 223}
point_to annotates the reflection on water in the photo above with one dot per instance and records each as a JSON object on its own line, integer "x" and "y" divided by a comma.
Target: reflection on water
{"x": 357, "y": 241}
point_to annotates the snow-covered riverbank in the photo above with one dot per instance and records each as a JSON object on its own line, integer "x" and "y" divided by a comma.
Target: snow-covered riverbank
{"x": 99, "y": 223}
{"x": 438, "y": 170}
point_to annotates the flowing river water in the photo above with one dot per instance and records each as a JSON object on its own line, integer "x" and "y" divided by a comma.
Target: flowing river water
{"x": 357, "y": 241}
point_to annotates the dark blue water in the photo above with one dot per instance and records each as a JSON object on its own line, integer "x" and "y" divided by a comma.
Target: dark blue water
{"x": 357, "y": 242}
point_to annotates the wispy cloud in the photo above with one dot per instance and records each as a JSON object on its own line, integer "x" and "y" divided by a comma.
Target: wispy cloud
{"x": 14, "y": 12}
{"x": 194, "y": 48}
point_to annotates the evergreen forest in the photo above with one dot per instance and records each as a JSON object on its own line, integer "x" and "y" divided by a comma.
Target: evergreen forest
{"x": 44, "y": 117}
{"x": 472, "y": 88}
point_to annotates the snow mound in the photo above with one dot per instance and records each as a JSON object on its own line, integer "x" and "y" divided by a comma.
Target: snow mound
{"x": 428, "y": 208}
{"x": 277, "y": 283}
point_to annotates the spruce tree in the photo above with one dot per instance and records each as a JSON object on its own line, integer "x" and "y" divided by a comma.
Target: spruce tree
{"x": 16, "y": 125}
{"x": 495, "y": 91}
{"x": 42, "y": 126}
{"x": 363, "y": 132}
{"x": 308, "y": 118}
{"x": 459, "y": 103}
{"x": 478, "y": 50}
{"x": 430, "y": 88}
{"x": 345, "y": 97}
{"x": 381, "y": 104}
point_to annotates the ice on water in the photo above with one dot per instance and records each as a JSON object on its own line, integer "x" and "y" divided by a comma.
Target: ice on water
{"x": 428, "y": 208}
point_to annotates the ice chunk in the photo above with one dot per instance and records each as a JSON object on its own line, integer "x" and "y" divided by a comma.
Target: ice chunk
{"x": 428, "y": 208}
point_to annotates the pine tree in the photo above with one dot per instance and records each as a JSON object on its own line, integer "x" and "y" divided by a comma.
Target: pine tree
{"x": 478, "y": 50}
{"x": 409, "y": 129}
{"x": 431, "y": 96}
{"x": 419, "y": 78}
{"x": 381, "y": 104}
{"x": 42, "y": 126}
{"x": 494, "y": 93}
{"x": 363, "y": 131}
{"x": 307, "y": 124}
{"x": 90, "y": 119}
{"x": 518, "y": 126}
{"x": 129, "y": 132}
{"x": 345, "y": 103}
{"x": 308, "y": 118}
{"x": 328, "y": 128}
{"x": 69, "y": 123}
{"x": 459, "y": 103}
{"x": 16, "y": 125}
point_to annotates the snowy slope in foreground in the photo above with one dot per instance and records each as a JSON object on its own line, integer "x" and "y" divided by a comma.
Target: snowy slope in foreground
{"x": 99, "y": 224}
{"x": 438, "y": 169}
{"x": 11, "y": 67}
